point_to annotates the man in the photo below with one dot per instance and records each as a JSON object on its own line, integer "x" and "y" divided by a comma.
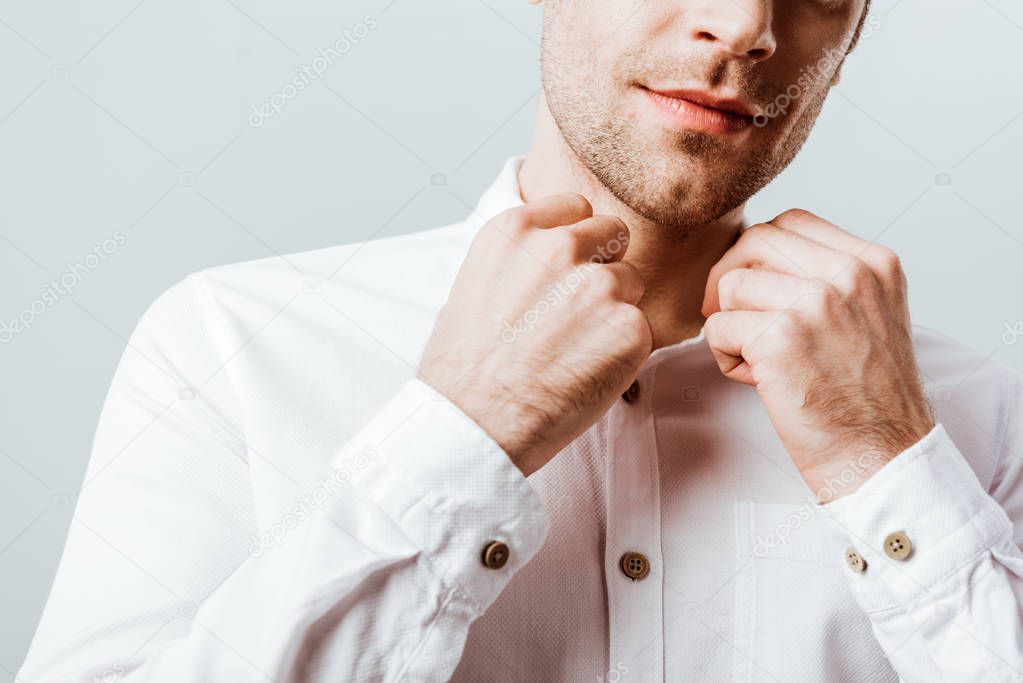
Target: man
{"x": 642, "y": 440}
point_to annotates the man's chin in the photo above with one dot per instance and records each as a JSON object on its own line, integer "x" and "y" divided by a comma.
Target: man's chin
{"x": 680, "y": 197}
{"x": 685, "y": 211}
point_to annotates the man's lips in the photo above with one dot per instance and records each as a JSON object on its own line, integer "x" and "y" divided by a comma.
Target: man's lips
{"x": 698, "y": 110}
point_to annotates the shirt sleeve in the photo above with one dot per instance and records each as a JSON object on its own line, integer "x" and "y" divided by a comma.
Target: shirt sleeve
{"x": 170, "y": 573}
{"x": 940, "y": 574}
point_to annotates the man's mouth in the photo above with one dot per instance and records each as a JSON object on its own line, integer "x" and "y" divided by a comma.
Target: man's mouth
{"x": 702, "y": 111}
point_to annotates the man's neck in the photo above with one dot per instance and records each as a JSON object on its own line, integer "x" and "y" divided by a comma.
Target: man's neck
{"x": 673, "y": 269}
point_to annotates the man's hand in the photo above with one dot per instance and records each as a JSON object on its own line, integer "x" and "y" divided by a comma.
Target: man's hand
{"x": 818, "y": 321}
{"x": 541, "y": 332}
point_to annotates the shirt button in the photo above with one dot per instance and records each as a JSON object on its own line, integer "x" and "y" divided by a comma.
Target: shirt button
{"x": 635, "y": 565}
{"x": 897, "y": 546}
{"x": 495, "y": 555}
{"x": 632, "y": 393}
{"x": 855, "y": 561}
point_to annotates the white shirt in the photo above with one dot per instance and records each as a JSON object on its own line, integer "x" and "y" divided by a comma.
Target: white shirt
{"x": 272, "y": 495}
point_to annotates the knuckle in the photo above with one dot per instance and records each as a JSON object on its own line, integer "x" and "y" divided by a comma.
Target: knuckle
{"x": 761, "y": 232}
{"x": 856, "y": 277}
{"x": 788, "y": 326}
{"x": 603, "y": 284}
{"x": 827, "y": 300}
{"x": 755, "y": 230}
{"x": 731, "y": 284}
{"x": 635, "y": 330}
{"x": 734, "y": 279}
{"x": 628, "y": 318}
{"x": 795, "y": 214}
{"x": 564, "y": 246}
{"x": 891, "y": 265}
{"x": 831, "y": 296}
{"x": 514, "y": 221}
{"x": 574, "y": 278}
{"x": 759, "y": 229}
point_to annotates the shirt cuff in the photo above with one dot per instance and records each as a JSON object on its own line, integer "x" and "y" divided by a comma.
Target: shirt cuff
{"x": 930, "y": 494}
{"x": 451, "y": 489}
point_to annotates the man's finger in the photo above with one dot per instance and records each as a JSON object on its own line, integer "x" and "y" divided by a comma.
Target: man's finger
{"x": 731, "y": 336}
{"x": 813, "y": 227}
{"x": 630, "y": 282}
{"x": 756, "y": 289}
{"x": 601, "y": 239}
{"x": 556, "y": 210}
{"x": 768, "y": 246}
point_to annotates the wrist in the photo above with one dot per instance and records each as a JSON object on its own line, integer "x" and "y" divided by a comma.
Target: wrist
{"x": 843, "y": 476}
{"x": 516, "y": 429}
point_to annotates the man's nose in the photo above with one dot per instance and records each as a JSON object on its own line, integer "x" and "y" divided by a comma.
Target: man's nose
{"x": 741, "y": 28}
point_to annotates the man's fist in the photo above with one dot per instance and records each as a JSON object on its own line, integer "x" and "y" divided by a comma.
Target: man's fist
{"x": 818, "y": 321}
{"x": 541, "y": 332}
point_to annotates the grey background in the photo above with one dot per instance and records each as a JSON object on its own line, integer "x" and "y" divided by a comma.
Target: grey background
{"x": 133, "y": 116}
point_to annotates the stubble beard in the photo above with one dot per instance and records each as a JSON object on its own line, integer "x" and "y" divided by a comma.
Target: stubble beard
{"x": 681, "y": 181}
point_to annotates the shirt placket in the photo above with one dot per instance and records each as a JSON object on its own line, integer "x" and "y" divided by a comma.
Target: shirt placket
{"x": 633, "y": 566}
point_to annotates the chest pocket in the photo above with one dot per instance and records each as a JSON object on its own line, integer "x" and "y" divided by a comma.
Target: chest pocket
{"x": 796, "y": 619}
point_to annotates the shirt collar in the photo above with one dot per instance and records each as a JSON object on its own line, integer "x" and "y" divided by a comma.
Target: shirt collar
{"x": 503, "y": 194}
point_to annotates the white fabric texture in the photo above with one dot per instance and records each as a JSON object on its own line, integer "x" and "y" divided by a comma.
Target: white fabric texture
{"x": 272, "y": 495}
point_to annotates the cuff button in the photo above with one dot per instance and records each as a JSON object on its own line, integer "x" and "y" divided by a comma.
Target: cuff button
{"x": 855, "y": 561}
{"x": 898, "y": 546}
{"x": 495, "y": 555}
